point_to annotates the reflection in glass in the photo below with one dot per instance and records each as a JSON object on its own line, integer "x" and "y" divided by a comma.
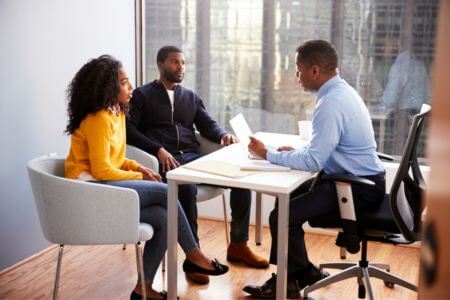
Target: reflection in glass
{"x": 241, "y": 56}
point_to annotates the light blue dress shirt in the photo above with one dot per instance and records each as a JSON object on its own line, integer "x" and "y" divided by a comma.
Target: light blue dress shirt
{"x": 342, "y": 135}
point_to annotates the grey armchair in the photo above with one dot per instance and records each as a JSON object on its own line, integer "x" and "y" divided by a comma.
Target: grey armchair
{"x": 73, "y": 212}
{"x": 206, "y": 192}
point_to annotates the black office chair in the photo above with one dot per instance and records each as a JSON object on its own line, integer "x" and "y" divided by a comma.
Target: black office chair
{"x": 397, "y": 220}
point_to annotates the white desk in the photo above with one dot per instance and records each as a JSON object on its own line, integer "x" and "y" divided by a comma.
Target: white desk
{"x": 280, "y": 184}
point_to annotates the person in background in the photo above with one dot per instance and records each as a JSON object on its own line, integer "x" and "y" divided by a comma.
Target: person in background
{"x": 407, "y": 88}
{"x": 163, "y": 114}
{"x": 98, "y": 98}
{"x": 342, "y": 143}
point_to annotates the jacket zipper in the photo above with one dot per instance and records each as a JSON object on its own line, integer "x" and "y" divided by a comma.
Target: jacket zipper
{"x": 176, "y": 127}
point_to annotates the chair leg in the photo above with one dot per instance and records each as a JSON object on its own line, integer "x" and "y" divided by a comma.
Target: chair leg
{"x": 339, "y": 266}
{"x": 343, "y": 253}
{"x": 140, "y": 269}
{"x": 391, "y": 278}
{"x": 258, "y": 217}
{"x": 225, "y": 217}
{"x": 58, "y": 271}
{"x": 367, "y": 283}
{"x": 382, "y": 266}
{"x": 348, "y": 273}
{"x": 124, "y": 246}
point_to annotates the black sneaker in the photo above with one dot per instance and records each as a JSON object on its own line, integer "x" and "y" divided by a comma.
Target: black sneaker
{"x": 268, "y": 289}
{"x": 310, "y": 275}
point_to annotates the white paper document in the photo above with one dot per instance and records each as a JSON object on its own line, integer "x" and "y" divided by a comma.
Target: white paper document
{"x": 261, "y": 165}
{"x": 242, "y": 131}
{"x": 218, "y": 168}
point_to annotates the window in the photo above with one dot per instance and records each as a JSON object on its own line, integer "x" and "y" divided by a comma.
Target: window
{"x": 241, "y": 56}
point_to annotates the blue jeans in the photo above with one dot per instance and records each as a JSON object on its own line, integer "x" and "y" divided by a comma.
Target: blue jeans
{"x": 153, "y": 211}
{"x": 240, "y": 203}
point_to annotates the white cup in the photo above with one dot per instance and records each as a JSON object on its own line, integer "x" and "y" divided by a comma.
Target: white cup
{"x": 305, "y": 129}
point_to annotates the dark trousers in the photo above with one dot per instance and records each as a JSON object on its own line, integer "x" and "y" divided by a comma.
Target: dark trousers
{"x": 321, "y": 201}
{"x": 240, "y": 203}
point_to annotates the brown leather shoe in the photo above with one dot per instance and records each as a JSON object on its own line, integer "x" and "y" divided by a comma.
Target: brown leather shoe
{"x": 241, "y": 252}
{"x": 197, "y": 277}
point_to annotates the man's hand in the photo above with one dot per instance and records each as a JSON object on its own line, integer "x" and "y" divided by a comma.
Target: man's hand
{"x": 149, "y": 174}
{"x": 257, "y": 148}
{"x": 228, "y": 140}
{"x": 285, "y": 148}
{"x": 167, "y": 161}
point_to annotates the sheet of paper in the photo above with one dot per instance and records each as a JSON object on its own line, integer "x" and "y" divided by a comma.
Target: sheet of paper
{"x": 242, "y": 131}
{"x": 261, "y": 165}
{"x": 218, "y": 168}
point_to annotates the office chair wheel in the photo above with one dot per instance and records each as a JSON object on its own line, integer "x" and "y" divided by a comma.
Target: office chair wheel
{"x": 388, "y": 284}
{"x": 361, "y": 291}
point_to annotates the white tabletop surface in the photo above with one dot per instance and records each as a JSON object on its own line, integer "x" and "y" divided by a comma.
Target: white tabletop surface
{"x": 271, "y": 182}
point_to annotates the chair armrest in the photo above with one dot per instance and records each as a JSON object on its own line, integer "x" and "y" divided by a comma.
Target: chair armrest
{"x": 384, "y": 156}
{"x": 348, "y": 178}
{"x": 206, "y": 146}
{"x": 143, "y": 158}
{"x": 83, "y": 213}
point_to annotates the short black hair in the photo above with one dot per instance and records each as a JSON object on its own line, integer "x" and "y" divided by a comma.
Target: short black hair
{"x": 318, "y": 52}
{"x": 164, "y": 52}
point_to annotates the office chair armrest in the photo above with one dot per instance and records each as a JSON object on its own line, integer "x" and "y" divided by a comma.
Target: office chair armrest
{"x": 384, "y": 156}
{"x": 347, "y": 178}
{"x": 206, "y": 146}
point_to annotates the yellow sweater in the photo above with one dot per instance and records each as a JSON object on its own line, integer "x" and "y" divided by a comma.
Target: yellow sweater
{"x": 98, "y": 147}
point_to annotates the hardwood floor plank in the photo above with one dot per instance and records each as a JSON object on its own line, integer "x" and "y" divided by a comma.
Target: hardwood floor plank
{"x": 108, "y": 272}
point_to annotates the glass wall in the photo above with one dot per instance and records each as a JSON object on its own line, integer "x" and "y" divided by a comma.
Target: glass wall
{"x": 241, "y": 56}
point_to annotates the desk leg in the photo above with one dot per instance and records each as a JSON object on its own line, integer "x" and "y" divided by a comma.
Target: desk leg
{"x": 172, "y": 231}
{"x": 283, "y": 231}
{"x": 258, "y": 216}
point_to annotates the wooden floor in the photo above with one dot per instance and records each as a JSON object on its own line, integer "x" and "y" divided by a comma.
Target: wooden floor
{"x": 108, "y": 272}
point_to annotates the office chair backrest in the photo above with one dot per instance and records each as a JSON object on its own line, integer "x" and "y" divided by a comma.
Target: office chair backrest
{"x": 408, "y": 186}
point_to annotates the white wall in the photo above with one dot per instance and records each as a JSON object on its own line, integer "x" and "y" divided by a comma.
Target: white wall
{"x": 213, "y": 209}
{"x": 42, "y": 44}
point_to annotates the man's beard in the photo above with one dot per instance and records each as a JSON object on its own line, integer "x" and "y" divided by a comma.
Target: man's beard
{"x": 172, "y": 77}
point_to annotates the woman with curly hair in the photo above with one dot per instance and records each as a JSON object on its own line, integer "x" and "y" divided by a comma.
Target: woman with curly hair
{"x": 98, "y": 103}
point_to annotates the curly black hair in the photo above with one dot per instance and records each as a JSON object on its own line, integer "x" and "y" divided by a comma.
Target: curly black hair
{"x": 95, "y": 87}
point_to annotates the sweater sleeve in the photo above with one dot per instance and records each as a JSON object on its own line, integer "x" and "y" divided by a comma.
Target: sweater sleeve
{"x": 130, "y": 165}
{"x": 206, "y": 125}
{"x": 134, "y": 136}
{"x": 98, "y": 136}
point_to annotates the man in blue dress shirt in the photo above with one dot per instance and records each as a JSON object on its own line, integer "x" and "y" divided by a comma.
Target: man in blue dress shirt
{"x": 342, "y": 143}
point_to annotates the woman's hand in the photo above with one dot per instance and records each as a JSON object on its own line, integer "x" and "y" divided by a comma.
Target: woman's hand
{"x": 149, "y": 174}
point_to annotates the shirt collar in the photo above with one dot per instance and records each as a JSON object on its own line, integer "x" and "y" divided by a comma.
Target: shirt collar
{"x": 328, "y": 85}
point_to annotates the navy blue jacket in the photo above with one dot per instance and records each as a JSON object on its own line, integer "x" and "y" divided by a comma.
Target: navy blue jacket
{"x": 152, "y": 125}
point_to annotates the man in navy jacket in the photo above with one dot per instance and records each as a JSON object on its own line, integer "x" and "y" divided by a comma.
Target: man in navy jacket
{"x": 161, "y": 122}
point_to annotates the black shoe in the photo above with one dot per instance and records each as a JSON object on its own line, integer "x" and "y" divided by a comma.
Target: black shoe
{"x": 308, "y": 276}
{"x": 219, "y": 269}
{"x": 268, "y": 289}
{"x": 136, "y": 296}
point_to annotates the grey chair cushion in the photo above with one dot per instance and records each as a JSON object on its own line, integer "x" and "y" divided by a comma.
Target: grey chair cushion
{"x": 206, "y": 192}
